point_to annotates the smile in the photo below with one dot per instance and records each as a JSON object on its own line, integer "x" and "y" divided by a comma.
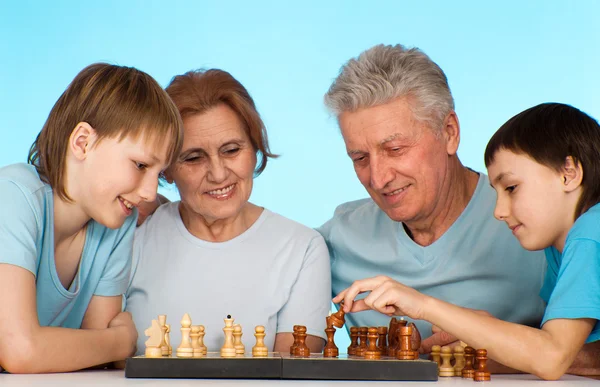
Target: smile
{"x": 222, "y": 193}
{"x": 396, "y": 192}
{"x": 126, "y": 203}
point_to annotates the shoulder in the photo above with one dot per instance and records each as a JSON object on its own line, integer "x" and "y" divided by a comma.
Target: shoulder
{"x": 23, "y": 176}
{"x": 587, "y": 226}
{"x": 275, "y": 222}
{"x": 20, "y": 184}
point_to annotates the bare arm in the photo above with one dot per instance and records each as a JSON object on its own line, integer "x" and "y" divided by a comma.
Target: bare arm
{"x": 26, "y": 347}
{"x": 283, "y": 342}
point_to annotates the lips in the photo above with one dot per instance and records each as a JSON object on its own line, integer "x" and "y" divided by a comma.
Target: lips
{"x": 222, "y": 193}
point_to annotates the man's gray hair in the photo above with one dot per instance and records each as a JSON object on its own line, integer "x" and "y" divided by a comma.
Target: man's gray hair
{"x": 384, "y": 73}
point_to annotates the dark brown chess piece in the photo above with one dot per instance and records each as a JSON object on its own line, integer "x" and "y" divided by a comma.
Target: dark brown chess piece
{"x": 302, "y": 349}
{"x": 372, "y": 351}
{"x": 469, "y": 372}
{"x": 382, "y": 342}
{"x": 415, "y": 339}
{"x": 394, "y": 336}
{"x": 354, "y": 341}
{"x": 337, "y": 319}
{"x": 330, "y": 350}
{"x": 295, "y": 344}
{"x": 482, "y": 374}
{"x": 362, "y": 345}
{"x": 405, "y": 352}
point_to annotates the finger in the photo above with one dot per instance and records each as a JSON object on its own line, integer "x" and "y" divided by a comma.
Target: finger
{"x": 435, "y": 329}
{"x": 359, "y": 287}
{"x": 382, "y": 299}
{"x": 442, "y": 338}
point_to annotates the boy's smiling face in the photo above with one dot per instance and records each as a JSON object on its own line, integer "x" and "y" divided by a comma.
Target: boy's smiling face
{"x": 533, "y": 200}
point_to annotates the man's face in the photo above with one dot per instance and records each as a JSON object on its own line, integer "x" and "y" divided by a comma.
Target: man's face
{"x": 401, "y": 162}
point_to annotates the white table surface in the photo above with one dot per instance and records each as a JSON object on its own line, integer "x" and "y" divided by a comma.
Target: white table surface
{"x": 115, "y": 378}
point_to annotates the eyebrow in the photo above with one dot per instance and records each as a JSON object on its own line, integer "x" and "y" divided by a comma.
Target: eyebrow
{"x": 394, "y": 136}
{"x": 501, "y": 176}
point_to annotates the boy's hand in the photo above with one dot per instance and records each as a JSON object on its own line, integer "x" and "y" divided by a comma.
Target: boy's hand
{"x": 386, "y": 296}
{"x": 124, "y": 323}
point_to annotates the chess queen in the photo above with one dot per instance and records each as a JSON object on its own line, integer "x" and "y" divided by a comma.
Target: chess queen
{"x": 215, "y": 253}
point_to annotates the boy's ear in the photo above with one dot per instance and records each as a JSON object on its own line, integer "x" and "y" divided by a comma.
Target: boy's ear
{"x": 572, "y": 174}
{"x": 81, "y": 140}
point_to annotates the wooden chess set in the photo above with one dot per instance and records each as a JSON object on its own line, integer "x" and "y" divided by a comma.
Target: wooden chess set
{"x": 375, "y": 353}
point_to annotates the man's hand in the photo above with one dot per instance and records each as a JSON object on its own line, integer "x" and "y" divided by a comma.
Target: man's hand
{"x": 441, "y": 338}
{"x": 127, "y": 332}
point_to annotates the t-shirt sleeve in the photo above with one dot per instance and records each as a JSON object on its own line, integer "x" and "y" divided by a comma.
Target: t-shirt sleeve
{"x": 115, "y": 277}
{"x": 577, "y": 290}
{"x": 552, "y": 258}
{"x": 309, "y": 302}
{"x": 18, "y": 228}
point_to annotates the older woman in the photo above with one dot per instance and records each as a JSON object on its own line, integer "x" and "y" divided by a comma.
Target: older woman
{"x": 214, "y": 253}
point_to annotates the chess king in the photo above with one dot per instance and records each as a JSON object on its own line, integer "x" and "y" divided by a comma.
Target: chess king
{"x": 429, "y": 220}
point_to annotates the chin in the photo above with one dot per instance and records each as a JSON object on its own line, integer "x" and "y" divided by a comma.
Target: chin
{"x": 113, "y": 224}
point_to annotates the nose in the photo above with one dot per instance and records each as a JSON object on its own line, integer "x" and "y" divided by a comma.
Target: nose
{"x": 149, "y": 187}
{"x": 381, "y": 173}
{"x": 217, "y": 171}
{"x": 502, "y": 211}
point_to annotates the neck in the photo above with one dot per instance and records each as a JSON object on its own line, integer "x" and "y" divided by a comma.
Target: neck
{"x": 456, "y": 192}
{"x": 219, "y": 230}
{"x": 69, "y": 219}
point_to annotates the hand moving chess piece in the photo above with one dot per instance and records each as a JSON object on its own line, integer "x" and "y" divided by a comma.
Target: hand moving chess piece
{"x": 302, "y": 349}
{"x": 481, "y": 374}
{"x": 372, "y": 352}
{"x": 468, "y": 372}
{"x": 228, "y": 349}
{"x": 155, "y": 334}
{"x": 185, "y": 348}
{"x": 260, "y": 349}
{"x": 237, "y": 340}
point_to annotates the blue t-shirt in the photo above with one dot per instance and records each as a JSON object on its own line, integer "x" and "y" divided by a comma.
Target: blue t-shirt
{"x": 477, "y": 263}
{"x": 27, "y": 240}
{"x": 572, "y": 285}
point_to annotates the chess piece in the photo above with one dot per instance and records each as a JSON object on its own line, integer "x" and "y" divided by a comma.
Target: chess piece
{"x": 481, "y": 374}
{"x": 362, "y": 344}
{"x": 415, "y": 339}
{"x": 162, "y": 321}
{"x": 302, "y": 349}
{"x": 295, "y": 343}
{"x": 228, "y": 349}
{"x": 405, "y": 352}
{"x": 446, "y": 368}
{"x": 382, "y": 342}
{"x": 201, "y": 334}
{"x": 353, "y": 341}
{"x": 194, "y": 336}
{"x": 260, "y": 349}
{"x": 330, "y": 350}
{"x": 392, "y": 337}
{"x": 153, "y": 344}
{"x": 372, "y": 352}
{"x": 237, "y": 340}
{"x": 459, "y": 357}
{"x": 468, "y": 372}
{"x": 436, "y": 351}
{"x": 337, "y": 319}
{"x": 185, "y": 348}
{"x": 168, "y": 340}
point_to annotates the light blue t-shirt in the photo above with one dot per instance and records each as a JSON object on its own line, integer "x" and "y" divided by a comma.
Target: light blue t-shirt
{"x": 572, "y": 284}
{"x": 27, "y": 240}
{"x": 477, "y": 263}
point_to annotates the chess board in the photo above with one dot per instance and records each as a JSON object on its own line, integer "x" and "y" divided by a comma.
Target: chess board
{"x": 282, "y": 366}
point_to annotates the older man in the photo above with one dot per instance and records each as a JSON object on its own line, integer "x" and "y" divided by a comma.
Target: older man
{"x": 429, "y": 222}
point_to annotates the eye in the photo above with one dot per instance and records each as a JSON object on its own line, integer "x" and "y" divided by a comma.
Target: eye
{"x": 140, "y": 166}
{"x": 231, "y": 151}
{"x": 510, "y": 188}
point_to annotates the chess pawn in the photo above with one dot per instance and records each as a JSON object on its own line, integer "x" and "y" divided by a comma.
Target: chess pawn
{"x": 405, "y": 352}
{"x": 446, "y": 368}
{"x": 185, "y": 348}
{"x": 481, "y": 374}
{"x": 415, "y": 339}
{"x": 260, "y": 349}
{"x": 468, "y": 372}
{"x": 201, "y": 334}
{"x": 237, "y": 340}
{"x": 194, "y": 335}
{"x": 362, "y": 346}
{"x": 295, "y": 343}
{"x": 330, "y": 350}
{"x": 162, "y": 321}
{"x": 372, "y": 352}
{"x": 459, "y": 356}
{"x": 153, "y": 344}
{"x": 302, "y": 349}
{"x": 168, "y": 340}
{"x": 436, "y": 351}
{"x": 228, "y": 349}
{"x": 354, "y": 341}
{"x": 382, "y": 342}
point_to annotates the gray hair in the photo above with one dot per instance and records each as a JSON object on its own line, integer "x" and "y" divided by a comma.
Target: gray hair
{"x": 384, "y": 73}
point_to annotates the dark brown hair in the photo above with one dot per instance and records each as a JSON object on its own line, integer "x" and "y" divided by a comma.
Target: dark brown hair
{"x": 117, "y": 102}
{"x": 198, "y": 91}
{"x": 549, "y": 133}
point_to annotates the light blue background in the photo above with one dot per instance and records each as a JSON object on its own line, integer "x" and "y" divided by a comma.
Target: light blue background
{"x": 499, "y": 58}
